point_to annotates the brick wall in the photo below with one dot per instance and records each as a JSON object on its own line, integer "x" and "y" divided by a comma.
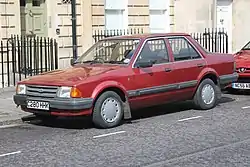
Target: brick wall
{"x": 241, "y": 24}
{"x": 9, "y": 18}
{"x": 98, "y": 11}
{"x": 138, "y": 14}
{"x": 63, "y": 12}
{"x": 193, "y": 15}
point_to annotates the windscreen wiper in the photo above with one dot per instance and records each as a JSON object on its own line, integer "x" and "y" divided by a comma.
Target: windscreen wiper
{"x": 92, "y": 61}
{"x": 115, "y": 62}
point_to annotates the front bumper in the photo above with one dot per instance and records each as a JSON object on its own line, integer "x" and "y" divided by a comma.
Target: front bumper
{"x": 69, "y": 104}
{"x": 242, "y": 83}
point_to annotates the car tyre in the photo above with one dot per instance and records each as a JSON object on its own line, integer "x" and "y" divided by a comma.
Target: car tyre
{"x": 207, "y": 95}
{"x": 108, "y": 110}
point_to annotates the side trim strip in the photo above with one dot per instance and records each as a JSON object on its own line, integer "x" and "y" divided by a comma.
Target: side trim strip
{"x": 162, "y": 89}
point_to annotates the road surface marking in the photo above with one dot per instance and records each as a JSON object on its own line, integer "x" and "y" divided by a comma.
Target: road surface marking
{"x": 12, "y": 153}
{"x": 186, "y": 119}
{"x": 246, "y": 107}
{"x": 109, "y": 134}
{"x": 9, "y": 126}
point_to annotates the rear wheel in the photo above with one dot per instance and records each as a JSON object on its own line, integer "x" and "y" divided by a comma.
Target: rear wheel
{"x": 108, "y": 110}
{"x": 207, "y": 94}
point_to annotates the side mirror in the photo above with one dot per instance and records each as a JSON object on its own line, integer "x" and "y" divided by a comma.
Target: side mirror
{"x": 72, "y": 62}
{"x": 144, "y": 64}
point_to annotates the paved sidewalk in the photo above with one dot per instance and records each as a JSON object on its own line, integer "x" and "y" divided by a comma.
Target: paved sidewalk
{"x": 8, "y": 111}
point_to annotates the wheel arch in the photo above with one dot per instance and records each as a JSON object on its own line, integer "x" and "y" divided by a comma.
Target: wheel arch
{"x": 109, "y": 86}
{"x": 208, "y": 73}
{"x": 211, "y": 76}
{"x": 117, "y": 88}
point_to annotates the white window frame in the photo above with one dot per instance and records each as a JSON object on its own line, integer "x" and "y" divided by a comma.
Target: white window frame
{"x": 228, "y": 5}
{"x": 123, "y": 8}
{"x": 164, "y": 7}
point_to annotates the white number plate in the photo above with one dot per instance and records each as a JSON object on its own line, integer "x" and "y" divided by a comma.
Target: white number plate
{"x": 38, "y": 105}
{"x": 241, "y": 85}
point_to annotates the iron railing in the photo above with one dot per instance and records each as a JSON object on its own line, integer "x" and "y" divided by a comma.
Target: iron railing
{"x": 101, "y": 34}
{"x": 214, "y": 40}
{"x": 22, "y": 56}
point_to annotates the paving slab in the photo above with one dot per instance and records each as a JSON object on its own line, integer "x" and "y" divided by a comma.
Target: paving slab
{"x": 8, "y": 110}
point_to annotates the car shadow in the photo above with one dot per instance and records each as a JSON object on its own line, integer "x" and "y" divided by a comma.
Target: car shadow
{"x": 170, "y": 108}
{"x": 60, "y": 122}
{"x": 226, "y": 100}
{"x": 86, "y": 122}
{"x": 238, "y": 92}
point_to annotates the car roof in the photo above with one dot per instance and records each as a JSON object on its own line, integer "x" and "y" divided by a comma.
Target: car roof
{"x": 147, "y": 35}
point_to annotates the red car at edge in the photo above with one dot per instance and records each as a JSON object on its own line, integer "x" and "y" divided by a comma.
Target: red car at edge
{"x": 119, "y": 74}
{"x": 242, "y": 59}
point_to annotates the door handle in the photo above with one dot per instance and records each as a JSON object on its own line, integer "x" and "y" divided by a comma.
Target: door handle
{"x": 200, "y": 65}
{"x": 168, "y": 69}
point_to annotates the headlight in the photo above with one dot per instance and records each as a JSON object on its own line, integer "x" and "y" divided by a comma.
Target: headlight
{"x": 64, "y": 92}
{"x": 21, "y": 89}
{"x": 67, "y": 92}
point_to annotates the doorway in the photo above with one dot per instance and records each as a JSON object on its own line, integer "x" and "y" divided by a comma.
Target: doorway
{"x": 224, "y": 19}
{"x": 33, "y": 18}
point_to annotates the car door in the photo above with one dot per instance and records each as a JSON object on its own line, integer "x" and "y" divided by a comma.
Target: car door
{"x": 188, "y": 64}
{"x": 151, "y": 85}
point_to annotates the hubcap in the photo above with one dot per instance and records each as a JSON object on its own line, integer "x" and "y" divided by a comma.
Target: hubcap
{"x": 110, "y": 110}
{"x": 207, "y": 94}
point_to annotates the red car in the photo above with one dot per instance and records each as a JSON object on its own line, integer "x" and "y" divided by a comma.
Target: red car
{"x": 242, "y": 59}
{"x": 119, "y": 74}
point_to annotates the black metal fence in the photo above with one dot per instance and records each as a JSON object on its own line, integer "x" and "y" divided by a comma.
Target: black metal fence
{"x": 214, "y": 40}
{"x": 101, "y": 34}
{"x": 21, "y": 57}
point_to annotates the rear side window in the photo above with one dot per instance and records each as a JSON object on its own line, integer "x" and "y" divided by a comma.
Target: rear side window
{"x": 182, "y": 49}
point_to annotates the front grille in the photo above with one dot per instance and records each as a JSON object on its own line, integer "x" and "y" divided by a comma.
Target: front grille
{"x": 41, "y": 91}
{"x": 243, "y": 80}
{"x": 246, "y": 70}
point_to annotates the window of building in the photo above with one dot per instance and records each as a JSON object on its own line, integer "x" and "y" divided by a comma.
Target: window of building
{"x": 36, "y": 2}
{"x": 22, "y": 2}
{"x": 182, "y": 49}
{"x": 116, "y": 14}
{"x": 158, "y": 16}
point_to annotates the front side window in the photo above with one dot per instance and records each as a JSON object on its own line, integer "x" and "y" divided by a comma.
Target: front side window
{"x": 182, "y": 49}
{"x": 115, "y": 51}
{"x": 155, "y": 51}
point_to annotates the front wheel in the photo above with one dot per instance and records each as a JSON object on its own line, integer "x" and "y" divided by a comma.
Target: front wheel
{"x": 108, "y": 110}
{"x": 206, "y": 96}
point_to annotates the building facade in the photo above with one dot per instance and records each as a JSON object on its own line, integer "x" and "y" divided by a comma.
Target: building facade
{"x": 232, "y": 15}
{"x": 52, "y": 19}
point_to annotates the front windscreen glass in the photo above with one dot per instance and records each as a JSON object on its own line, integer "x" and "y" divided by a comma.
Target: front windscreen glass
{"x": 115, "y": 51}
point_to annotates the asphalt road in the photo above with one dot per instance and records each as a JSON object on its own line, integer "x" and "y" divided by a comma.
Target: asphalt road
{"x": 172, "y": 135}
